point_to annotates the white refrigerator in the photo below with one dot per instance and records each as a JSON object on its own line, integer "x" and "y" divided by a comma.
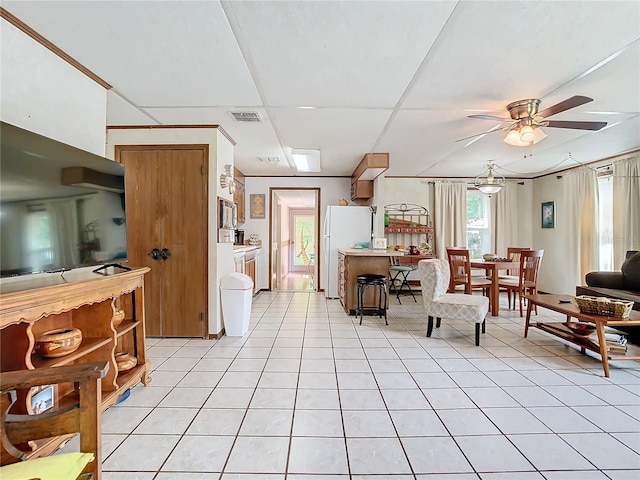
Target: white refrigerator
{"x": 343, "y": 227}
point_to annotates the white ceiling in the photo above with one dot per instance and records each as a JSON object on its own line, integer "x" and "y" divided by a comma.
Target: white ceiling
{"x": 398, "y": 77}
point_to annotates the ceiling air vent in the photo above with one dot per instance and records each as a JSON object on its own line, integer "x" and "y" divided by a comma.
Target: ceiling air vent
{"x": 245, "y": 116}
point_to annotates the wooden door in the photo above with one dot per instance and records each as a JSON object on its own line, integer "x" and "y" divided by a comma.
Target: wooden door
{"x": 166, "y": 209}
{"x": 184, "y": 232}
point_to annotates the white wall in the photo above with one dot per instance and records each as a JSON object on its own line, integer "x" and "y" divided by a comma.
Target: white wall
{"x": 44, "y": 94}
{"x": 331, "y": 190}
{"x": 220, "y": 153}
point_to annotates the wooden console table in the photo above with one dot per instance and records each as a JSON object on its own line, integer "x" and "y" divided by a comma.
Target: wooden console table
{"x": 80, "y": 299}
{"x": 552, "y": 302}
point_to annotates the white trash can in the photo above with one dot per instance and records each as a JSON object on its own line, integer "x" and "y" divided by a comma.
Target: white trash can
{"x": 236, "y": 292}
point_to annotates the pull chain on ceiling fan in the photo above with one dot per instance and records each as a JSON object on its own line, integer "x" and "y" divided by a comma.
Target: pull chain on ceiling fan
{"x": 523, "y": 127}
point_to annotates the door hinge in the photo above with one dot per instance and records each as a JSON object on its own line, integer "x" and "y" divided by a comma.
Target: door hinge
{"x": 202, "y": 170}
{"x": 202, "y": 317}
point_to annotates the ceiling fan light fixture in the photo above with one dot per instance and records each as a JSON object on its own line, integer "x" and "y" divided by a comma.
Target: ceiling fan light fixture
{"x": 513, "y": 138}
{"x": 538, "y": 135}
{"x": 526, "y": 134}
{"x": 490, "y": 184}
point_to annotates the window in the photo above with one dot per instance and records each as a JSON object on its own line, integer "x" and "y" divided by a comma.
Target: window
{"x": 605, "y": 221}
{"x": 478, "y": 224}
{"x": 39, "y": 248}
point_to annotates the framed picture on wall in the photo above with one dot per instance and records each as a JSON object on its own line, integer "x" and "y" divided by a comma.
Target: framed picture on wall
{"x": 257, "y": 207}
{"x": 548, "y": 214}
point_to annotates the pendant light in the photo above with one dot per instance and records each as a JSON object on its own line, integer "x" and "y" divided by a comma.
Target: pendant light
{"x": 490, "y": 184}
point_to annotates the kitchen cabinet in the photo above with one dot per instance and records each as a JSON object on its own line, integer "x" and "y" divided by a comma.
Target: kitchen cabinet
{"x": 371, "y": 165}
{"x": 362, "y": 189}
{"x": 90, "y": 302}
{"x": 239, "y": 195}
{"x": 250, "y": 267}
{"x": 352, "y": 263}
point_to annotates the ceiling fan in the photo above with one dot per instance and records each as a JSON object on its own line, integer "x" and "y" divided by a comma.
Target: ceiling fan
{"x": 523, "y": 127}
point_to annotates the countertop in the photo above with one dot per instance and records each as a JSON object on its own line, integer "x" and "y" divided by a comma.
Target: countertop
{"x": 245, "y": 248}
{"x": 370, "y": 252}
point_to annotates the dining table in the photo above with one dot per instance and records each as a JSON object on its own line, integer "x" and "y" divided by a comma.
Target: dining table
{"x": 492, "y": 267}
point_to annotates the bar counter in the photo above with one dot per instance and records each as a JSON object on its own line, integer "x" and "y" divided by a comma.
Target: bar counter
{"x": 357, "y": 261}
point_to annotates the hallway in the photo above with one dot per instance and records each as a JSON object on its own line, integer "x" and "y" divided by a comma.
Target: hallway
{"x": 295, "y": 281}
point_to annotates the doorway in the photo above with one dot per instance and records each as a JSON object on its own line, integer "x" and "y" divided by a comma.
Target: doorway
{"x": 294, "y": 239}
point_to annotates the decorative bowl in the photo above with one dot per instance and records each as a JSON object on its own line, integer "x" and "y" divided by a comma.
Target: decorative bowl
{"x": 581, "y": 329}
{"x": 489, "y": 256}
{"x": 125, "y": 361}
{"x": 118, "y": 317}
{"x": 59, "y": 342}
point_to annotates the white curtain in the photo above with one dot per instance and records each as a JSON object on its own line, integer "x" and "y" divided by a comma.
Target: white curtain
{"x": 450, "y": 216}
{"x": 63, "y": 221}
{"x": 504, "y": 218}
{"x": 580, "y": 224}
{"x": 626, "y": 207}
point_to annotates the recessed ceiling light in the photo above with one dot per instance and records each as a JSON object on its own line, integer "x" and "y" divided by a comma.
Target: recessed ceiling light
{"x": 307, "y": 108}
{"x": 306, "y": 160}
{"x": 269, "y": 159}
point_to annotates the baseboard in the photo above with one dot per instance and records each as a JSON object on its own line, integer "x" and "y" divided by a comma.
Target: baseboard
{"x": 216, "y": 336}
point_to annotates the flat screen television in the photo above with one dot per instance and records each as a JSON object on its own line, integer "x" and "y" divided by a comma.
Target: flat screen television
{"x": 60, "y": 207}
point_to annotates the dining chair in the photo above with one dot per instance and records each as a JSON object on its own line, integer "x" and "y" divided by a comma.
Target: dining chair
{"x": 397, "y": 270}
{"x": 434, "y": 279}
{"x": 527, "y": 279}
{"x": 513, "y": 253}
{"x": 460, "y": 273}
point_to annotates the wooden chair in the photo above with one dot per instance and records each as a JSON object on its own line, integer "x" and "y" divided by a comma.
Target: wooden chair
{"x": 527, "y": 279}
{"x": 77, "y": 412}
{"x": 460, "y": 273}
{"x": 514, "y": 254}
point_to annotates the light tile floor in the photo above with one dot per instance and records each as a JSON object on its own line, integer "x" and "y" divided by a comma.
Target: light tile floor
{"x": 309, "y": 394}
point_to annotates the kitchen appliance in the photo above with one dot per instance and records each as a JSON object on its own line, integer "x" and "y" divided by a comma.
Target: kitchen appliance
{"x": 343, "y": 228}
{"x": 227, "y": 220}
{"x": 239, "y": 237}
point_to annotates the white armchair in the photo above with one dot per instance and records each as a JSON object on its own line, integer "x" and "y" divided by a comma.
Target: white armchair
{"x": 434, "y": 280}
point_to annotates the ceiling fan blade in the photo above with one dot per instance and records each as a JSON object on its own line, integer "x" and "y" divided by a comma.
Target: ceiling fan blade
{"x": 493, "y": 129}
{"x": 567, "y": 104}
{"x": 576, "y": 125}
{"x": 489, "y": 117}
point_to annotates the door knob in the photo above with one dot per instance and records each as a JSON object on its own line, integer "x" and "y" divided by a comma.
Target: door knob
{"x": 155, "y": 254}
{"x": 165, "y": 253}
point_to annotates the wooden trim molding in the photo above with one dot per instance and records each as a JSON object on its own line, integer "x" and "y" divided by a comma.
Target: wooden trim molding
{"x": 27, "y": 30}
{"x": 140, "y": 127}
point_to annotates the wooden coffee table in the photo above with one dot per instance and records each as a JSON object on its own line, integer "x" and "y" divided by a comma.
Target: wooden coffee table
{"x": 552, "y": 302}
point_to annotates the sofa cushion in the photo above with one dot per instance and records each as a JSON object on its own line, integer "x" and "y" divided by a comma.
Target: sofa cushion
{"x": 605, "y": 280}
{"x": 631, "y": 272}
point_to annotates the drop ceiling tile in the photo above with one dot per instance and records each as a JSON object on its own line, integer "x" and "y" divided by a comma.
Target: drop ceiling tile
{"x": 337, "y": 53}
{"x": 492, "y": 53}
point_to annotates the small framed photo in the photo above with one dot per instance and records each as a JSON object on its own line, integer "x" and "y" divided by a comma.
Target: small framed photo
{"x": 548, "y": 214}
{"x": 257, "y": 207}
{"x": 379, "y": 243}
{"x": 42, "y": 399}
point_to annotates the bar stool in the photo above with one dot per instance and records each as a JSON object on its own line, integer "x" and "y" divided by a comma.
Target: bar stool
{"x": 374, "y": 280}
